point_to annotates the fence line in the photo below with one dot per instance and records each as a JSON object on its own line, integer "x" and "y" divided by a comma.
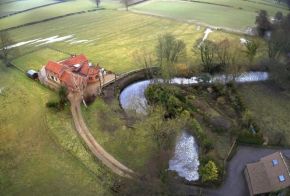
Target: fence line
{"x": 238, "y": 32}
{"x": 49, "y": 19}
{"x": 19, "y": 12}
{"x": 13, "y": 65}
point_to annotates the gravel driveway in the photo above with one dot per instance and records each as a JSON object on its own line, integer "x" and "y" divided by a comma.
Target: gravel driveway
{"x": 236, "y": 184}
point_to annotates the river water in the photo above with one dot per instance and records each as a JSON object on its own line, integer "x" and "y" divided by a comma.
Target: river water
{"x": 185, "y": 160}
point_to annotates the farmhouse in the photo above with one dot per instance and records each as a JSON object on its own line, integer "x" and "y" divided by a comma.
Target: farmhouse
{"x": 271, "y": 173}
{"x": 72, "y": 73}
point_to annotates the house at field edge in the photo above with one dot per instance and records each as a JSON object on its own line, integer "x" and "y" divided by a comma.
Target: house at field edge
{"x": 72, "y": 72}
{"x": 270, "y": 174}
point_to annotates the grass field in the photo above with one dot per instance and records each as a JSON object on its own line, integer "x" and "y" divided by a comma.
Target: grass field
{"x": 133, "y": 147}
{"x": 24, "y": 5}
{"x": 54, "y": 11}
{"x": 116, "y": 35}
{"x": 271, "y": 109}
{"x": 39, "y": 58}
{"x": 214, "y": 15}
{"x": 40, "y": 152}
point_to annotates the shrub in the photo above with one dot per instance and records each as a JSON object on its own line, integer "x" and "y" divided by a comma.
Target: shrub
{"x": 219, "y": 130}
{"x": 250, "y": 138}
{"x": 254, "y": 140}
{"x": 185, "y": 114}
{"x": 180, "y": 97}
{"x": 209, "y": 171}
{"x": 202, "y": 135}
{"x": 221, "y": 100}
{"x": 52, "y": 104}
{"x": 192, "y": 97}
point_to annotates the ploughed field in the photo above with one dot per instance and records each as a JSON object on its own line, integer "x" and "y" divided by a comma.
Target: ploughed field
{"x": 237, "y": 15}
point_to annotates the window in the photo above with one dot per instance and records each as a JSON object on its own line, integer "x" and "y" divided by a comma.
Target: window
{"x": 90, "y": 78}
{"x": 275, "y": 162}
{"x": 96, "y": 76}
{"x": 281, "y": 178}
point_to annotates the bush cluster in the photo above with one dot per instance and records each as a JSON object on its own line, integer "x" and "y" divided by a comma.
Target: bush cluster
{"x": 219, "y": 130}
{"x": 248, "y": 121}
{"x": 169, "y": 98}
{"x": 202, "y": 135}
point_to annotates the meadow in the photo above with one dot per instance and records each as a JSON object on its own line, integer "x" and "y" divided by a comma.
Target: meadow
{"x": 23, "y": 5}
{"x": 54, "y": 11}
{"x": 114, "y": 37}
{"x": 40, "y": 152}
{"x": 270, "y": 106}
{"x": 238, "y": 17}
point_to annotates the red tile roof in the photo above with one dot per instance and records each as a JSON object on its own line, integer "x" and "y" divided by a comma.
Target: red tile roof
{"x": 66, "y": 78}
{"x": 75, "y": 60}
{"x": 55, "y": 67}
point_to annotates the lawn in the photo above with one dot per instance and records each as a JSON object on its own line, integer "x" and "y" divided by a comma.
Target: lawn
{"x": 270, "y": 107}
{"x": 24, "y": 5}
{"x": 40, "y": 151}
{"x": 36, "y": 60}
{"x": 114, "y": 36}
{"x": 238, "y": 17}
{"x": 132, "y": 147}
{"x": 54, "y": 11}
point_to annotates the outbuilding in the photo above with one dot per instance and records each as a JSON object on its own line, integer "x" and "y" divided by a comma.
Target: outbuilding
{"x": 32, "y": 74}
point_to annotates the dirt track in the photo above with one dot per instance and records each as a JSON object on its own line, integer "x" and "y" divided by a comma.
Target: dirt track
{"x": 94, "y": 146}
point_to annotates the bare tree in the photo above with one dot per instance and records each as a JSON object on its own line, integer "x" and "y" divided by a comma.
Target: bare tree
{"x": 207, "y": 52}
{"x": 80, "y": 84}
{"x": 169, "y": 51}
{"x": 5, "y": 46}
{"x": 143, "y": 58}
{"x": 126, "y": 3}
{"x": 278, "y": 44}
{"x": 97, "y": 2}
{"x": 231, "y": 54}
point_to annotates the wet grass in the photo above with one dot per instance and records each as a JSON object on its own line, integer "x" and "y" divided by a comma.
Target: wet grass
{"x": 37, "y": 59}
{"x": 132, "y": 147}
{"x": 40, "y": 151}
{"x": 117, "y": 36}
{"x": 23, "y": 5}
{"x": 238, "y": 17}
{"x": 52, "y": 11}
{"x": 270, "y": 107}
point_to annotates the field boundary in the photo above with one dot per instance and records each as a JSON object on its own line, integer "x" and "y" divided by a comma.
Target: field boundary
{"x": 49, "y": 19}
{"x": 281, "y": 7}
{"x": 238, "y": 32}
{"x": 19, "y": 12}
{"x": 209, "y": 3}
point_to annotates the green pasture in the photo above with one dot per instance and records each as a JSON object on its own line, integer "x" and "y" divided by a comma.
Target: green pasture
{"x": 132, "y": 147}
{"x": 238, "y": 17}
{"x": 270, "y": 106}
{"x": 116, "y": 36}
{"x": 54, "y": 11}
{"x": 40, "y": 151}
{"x": 23, "y": 5}
{"x": 38, "y": 59}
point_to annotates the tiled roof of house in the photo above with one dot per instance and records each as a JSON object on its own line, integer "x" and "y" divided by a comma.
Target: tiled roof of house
{"x": 55, "y": 67}
{"x": 75, "y": 60}
{"x": 264, "y": 175}
{"x": 66, "y": 78}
